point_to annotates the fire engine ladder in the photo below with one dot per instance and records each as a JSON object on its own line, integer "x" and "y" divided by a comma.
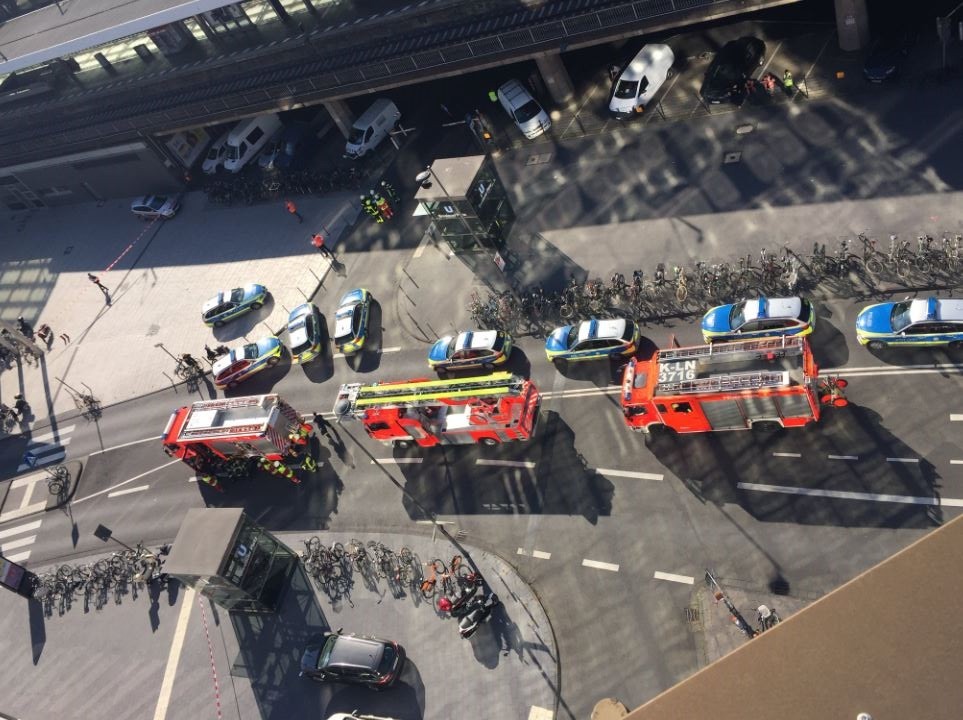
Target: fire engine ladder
{"x": 744, "y": 350}
{"x": 424, "y": 392}
{"x": 735, "y": 381}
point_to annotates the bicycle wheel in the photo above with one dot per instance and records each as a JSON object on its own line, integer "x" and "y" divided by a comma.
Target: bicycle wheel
{"x": 313, "y": 544}
{"x": 566, "y": 311}
{"x": 428, "y": 588}
{"x": 337, "y": 550}
{"x": 874, "y": 266}
{"x": 681, "y": 294}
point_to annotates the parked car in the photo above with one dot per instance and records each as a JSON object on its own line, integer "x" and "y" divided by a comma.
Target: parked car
{"x": 641, "y": 79}
{"x": 759, "y": 317}
{"x": 925, "y": 322}
{"x": 297, "y": 146}
{"x": 887, "y": 55}
{"x": 216, "y": 155}
{"x": 268, "y": 158}
{"x": 240, "y": 363}
{"x": 730, "y": 68}
{"x": 155, "y": 207}
{"x": 229, "y": 304}
{"x": 592, "y": 340}
{"x": 351, "y": 321}
{"x": 470, "y": 349}
{"x": 521, "y": 107}
{"x": 305, "y": 332}
{"x": 355, "y": 659}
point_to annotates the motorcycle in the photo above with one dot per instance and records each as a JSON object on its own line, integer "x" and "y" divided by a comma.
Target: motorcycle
{"x": 460, "y": 604}
{"x": 480, "y": 609}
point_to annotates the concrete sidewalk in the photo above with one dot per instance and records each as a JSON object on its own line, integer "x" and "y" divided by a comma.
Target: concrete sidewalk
{"x": 114, "y": 661}
{"x": 160, "y": 275}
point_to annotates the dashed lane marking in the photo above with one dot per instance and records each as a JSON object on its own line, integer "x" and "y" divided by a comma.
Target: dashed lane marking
{"x": 849, "y": 495}
{"x": 127, "y": 444}
{"x": 902, "y": 460}
{"x": 684, "y": 579}
{"x": 397, "y": 461}
{"x": 128, "y": 491}
{"x": 535, "y": 554}
{"x": 789, "y": 455}
{"x": 611, "y": 567}
{"x": 506, "y": 463}
{"x": 434, "y": 522}
{"x": 956, "y": 462}
{"x": 630, "y": 474}
{"x": 956, "y": 418}
{"x": 843, "y": 457}
{"x": 106, "y": 491}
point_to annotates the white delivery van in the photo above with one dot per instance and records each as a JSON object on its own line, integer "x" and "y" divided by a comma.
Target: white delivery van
{"x": 371, "y": 128}
{"x": 521, "y": 107}
{"x": 641, "y": 79}
{"x": 247, "y": 138}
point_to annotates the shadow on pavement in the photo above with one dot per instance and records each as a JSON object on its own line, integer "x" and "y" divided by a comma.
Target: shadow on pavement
{"x": 38, "y": 629}
{"x": 246, "y": 324}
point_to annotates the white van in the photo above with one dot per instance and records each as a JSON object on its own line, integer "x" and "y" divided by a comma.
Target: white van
{"x": 247, "y": 139}
{"x": 521, "y": 107}
{"x": 371, "y": 128}
{"x": 638, "y": 83}
{"x": 216, "y": 155}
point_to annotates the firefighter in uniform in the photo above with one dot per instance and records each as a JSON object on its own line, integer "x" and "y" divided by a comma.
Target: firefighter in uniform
{"x": 369, "y": 207}
{"x": 212, "y": 481}
{"x": 284, "y": 471}
{"x": 383, "y": 207}
{"x": 308, "y": 462}
{"x": 389, "y": 190}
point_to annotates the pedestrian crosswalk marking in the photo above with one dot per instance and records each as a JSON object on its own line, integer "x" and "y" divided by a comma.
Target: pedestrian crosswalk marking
{"x": 20, "y": 529}
{"x": 41, "y": 451}
{"x": 18, "y": 540}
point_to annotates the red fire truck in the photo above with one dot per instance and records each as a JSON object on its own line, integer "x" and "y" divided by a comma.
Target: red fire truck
{"x": 224, "y": 438}
{"x": 764, "y": 384}
{"x": 489, "y": 410}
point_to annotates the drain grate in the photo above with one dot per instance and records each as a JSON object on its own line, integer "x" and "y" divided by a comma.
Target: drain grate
{"x": 691, "y": 614}
{"x": 732, "y": 157}
{"x": 539, "y": 159}
{"x": 779, "y": 587}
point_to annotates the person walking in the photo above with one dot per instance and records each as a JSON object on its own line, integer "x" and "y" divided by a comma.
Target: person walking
{"x": 613, "y": 72}
{"x": 317, "y": 240}
{"x": 788, "y": 85}
{"x": 284, "y": 471}
{"x": 322, "y": 425}
{"x": 383, "y": 207}
{"x": 308, "y": 463}
{"x": 96, "y": 281}
{"x": 493, "y": 96}
{"x": 212, "y": 481}
{"x": 369, "y": 207}
{"x": 293, "y": 209}
{"x": 211, "y": 355}
{"x": 388, "y": 189}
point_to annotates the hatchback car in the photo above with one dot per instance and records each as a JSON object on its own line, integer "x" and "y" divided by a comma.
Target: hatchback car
{"x": 521, "y": 107}
{"x": 759, "y": 317}
{"x": 641, "y": 79}
{"x": 888, "y": 55}
{"x": 592, "y": 340}
{"x": 216, "y": 155}
{"x": 470, "y": 349}
{"x": 355, "y": 659}
{"x": 239, "y": 364}
{"x": 351, "y": 321}
{"x": 304, "y": 332}
{"x": 928, "y": 322}
{"x": 230, "y": 304}
{"x": 151, "y": 207}
{"x": 730, "y": 68}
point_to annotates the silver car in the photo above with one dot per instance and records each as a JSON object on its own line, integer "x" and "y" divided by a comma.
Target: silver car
{"x": 154, "y": 207}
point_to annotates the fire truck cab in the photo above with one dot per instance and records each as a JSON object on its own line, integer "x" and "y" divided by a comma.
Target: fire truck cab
{"x": 733, "y": 386}
{"x": 223, "y": 437}
{"x": 493, "y": 409}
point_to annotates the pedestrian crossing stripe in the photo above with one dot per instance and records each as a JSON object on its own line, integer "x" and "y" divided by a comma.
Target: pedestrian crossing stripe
{"x": 15, "y": 538}
{"x": 41, "y": 451}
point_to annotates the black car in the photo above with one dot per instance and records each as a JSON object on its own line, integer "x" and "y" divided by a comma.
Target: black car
{"x": 730, "y": 68}
{"x": 355, "y": 659}
{"x": 887, "y": 55}
{"x": 297, "y": 146}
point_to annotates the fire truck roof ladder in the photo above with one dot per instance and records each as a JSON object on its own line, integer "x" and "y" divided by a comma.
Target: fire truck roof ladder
{"x": 426, "y": 391}
{"x": 743, "y": 350}
{"x": 734, "y": 381}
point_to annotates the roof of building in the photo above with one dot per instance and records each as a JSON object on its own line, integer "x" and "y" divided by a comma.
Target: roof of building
{"x": 204, "y": 538}
{"x": 450, "y": 178}
{"x": 885, "y": 643}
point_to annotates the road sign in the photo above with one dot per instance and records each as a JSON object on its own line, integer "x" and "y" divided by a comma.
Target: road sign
{"x": 30, "y": 460}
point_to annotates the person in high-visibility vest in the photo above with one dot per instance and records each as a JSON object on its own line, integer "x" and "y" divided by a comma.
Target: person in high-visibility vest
{"x": 383, "y": 207}
{"x": 212, "y": 481}
{"x": 308, "y": 463}
{"x": 788, "y": 84}
{"x": 284, "y": 471}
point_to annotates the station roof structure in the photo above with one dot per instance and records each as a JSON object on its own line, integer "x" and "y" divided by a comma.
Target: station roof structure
{"x": 66, "y": 28}
{"x": 450, "y": 178}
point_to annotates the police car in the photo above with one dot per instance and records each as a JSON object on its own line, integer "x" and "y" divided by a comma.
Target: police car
{"x": 759, "y": 317}
{"x": 911, "y": 323}
{"x": 592, "y": 340}
{"x": 351, "y": 321}
{"x": 470, "y": 349}
{"x": 304, "y": 332}
{"x": 242, "y": 362}
{"x": 230, "y": 304}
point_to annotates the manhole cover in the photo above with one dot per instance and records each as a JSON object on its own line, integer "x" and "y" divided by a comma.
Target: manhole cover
{"x": 691, "y": 615}
{"x": 732, "y": 157}
{"x": 538, "y": 159}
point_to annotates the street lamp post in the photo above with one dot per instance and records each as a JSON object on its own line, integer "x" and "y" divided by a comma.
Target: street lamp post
{"x": 943, "y": 26}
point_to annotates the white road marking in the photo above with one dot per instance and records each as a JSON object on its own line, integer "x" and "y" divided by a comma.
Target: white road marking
{"x": 128, "y": 491}
{"x": 772, "y": 57}
{"x": 843, "y": 457}
{"x": 684, "y": 579}
{"x": 421, "y": 247}
{"x": 18, "y": 557}
{"x": 630, "y": 474}
{"x": 792, "y": 455}
{"x": 581, "y": 392}
{"x": 956, "y": 462}
{"x": 600, "y": 565}
{"x": 903, "y": 460}
{"x": 19, "y": 543}
{"x": 434, "y": 522}
{"x": 540, "y": 713}
{"x": 42, "y": 460}
{"x": 397, "y": 461}
{"x": 506, "y": 463}
{"x": 174, "y": 657}
{"x": 849, "y": 495}
{"x": 125, "y": 482}
{"x": 337, "y": 355}
{"x": 390, "y": 350}
{"x": 26, "y": 527}
{"x": 536, "y": 554}
{"x": 28, "y": 480}
{"x": 956, "y": 418}
{"x": 23, "y": 511}
{"x": 128, "y": 444}
{"x": 38, "y": 439}
{"x": 192, "y": 479}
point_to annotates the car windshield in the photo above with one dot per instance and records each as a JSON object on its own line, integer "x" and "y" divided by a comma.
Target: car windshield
{"x": 572, "y": 337}
{"x": 387, "y": 660}
{"x": 214, "y": 152}
{"x": 356, "y": 136}
{"x": 629, "y": 331}
{"x": 157, "y": 202}
{"x": 324, "y": 657}
{"x": 233, "y": 152}
{"x": 900, "y": 317}
{"x": 345, "y": 327}
{"x": 297, "y": 328}
{"x": 251, "y": 352}
{"x": 625, "y": 90}
{"x": 237, "y": 294}
{"x": 527, "y": 111}
{"x": 737, "y": 316}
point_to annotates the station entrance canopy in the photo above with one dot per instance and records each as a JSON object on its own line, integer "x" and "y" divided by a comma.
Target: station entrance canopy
{"x": 57, "y": 32}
